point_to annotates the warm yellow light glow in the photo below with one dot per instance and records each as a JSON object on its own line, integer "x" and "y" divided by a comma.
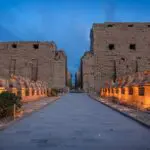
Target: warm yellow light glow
{"x": 134, "y": 99}
{"x": 2, "y": 89}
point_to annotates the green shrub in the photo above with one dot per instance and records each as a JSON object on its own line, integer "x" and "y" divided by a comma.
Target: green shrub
{"x": 7, "y": 101}
{"x": 54, "y": 92}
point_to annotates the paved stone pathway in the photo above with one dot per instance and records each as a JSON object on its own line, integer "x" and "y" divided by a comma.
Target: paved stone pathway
{"x": 138, "y": 115}
{"x": 75, "y": 122}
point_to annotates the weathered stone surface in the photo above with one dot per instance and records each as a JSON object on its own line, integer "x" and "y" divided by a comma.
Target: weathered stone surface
{"x": 59, "y": 70}
{"x": 88, "y": 71}
{"x": 34, "y": 60}
{"x": 124, "y": 44}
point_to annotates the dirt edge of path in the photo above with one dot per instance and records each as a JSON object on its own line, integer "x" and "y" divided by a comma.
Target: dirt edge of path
{"x": 46, "y": 101}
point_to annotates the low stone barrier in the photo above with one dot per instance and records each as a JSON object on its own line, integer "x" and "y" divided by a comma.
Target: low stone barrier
{"x": 133, "y": 90}
{"x": 28, "y": 90}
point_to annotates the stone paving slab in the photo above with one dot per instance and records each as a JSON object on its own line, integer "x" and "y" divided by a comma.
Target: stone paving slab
{"x": 137, "y": 115}
{"x": 28, "y": 108}
{"x": 75, "y": 122}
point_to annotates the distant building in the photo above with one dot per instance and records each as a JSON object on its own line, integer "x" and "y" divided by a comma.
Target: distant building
{"x": 87, "y": 65}
{"x": 78, "y": 80}
{"x": 34, "y": 60}
{"x": 69, "y": 79}
{"x": 59, "y": 70}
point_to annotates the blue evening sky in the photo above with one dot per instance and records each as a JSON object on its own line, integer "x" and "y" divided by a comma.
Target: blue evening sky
{"x": 67, "y": 22}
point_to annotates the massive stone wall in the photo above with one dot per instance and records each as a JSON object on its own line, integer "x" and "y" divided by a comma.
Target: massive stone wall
{"x": 59, "y": 72}
{"x": 88, "y": 71}
{"x": 33, "y": 60}
{"x": 119, "y": 48}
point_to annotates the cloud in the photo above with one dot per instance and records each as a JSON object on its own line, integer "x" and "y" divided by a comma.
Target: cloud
{"x": 24, "y": 22}
{"x": 110, "y": 10}
{"x": 6, "y": 35}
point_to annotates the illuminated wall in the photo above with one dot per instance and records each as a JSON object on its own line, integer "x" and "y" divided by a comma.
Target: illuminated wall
{"x": 133, "y": 90}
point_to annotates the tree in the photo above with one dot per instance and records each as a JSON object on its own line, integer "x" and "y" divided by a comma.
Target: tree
{"x": 7, "y": 101}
